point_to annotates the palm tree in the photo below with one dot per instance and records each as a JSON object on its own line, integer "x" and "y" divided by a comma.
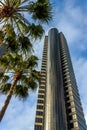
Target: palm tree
{"x": 18, "y": 76}
{"x": 14, "y": 12}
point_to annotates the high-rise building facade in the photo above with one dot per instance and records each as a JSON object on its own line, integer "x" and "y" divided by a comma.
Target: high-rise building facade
{"x": 58, "y": 105}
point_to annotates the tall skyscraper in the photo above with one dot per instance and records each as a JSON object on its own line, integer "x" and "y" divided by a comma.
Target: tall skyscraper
{"x": 58, "y": 105}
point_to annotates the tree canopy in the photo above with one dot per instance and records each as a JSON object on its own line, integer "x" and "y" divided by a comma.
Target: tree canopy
{"x": 24, "y": 15}
{"x": 18, "y": 76}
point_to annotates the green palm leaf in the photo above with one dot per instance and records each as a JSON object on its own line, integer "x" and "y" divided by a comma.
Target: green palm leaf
{"x": 5, "y": 88}
{"x": 21, "y": 91}
{"x": 35, "y": 74}
{"x": 40, "y": 11}
{"x": 36, "y": 31}
{"x": 8, "y": 28}
{"x": 1, "y": 75}
{"x": 32, "y": 61}
{"x": 32, "y": 84}
{"x": 5, "y": 78}
{"x": 23, "y": 26}
{"x": 12, "y": 44}
{"x": 25, "y": 44}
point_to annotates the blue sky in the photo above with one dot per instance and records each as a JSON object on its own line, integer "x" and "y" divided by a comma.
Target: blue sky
{"x": 70, "y": 17}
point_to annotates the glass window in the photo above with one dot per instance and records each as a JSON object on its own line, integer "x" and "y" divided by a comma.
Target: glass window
{"x": 39, "y": 113}
{"x": 67, "y": 98}
{"x": 39, "y": 107}
{"x": 69, "y": 110}
{"x": 40, "y": 101}
{"x": 68, "y": 104}
{"x": 40, "y": 96}
{"x": 71, "y": 125}
{"x": 70, "y": 117}
{"x": 38, "y": 127}
{"x": 66, "y": 93}
{"x": 38, "y": 120}
{"x": 42, "y": 87}
{"x": 41, "y": 91}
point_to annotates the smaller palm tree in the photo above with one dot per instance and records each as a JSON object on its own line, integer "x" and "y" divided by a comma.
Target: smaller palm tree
{"x": 18, "y": 76}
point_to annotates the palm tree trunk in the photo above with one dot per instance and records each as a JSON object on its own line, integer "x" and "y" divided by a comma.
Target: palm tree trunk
{"x": 2, "y": 112}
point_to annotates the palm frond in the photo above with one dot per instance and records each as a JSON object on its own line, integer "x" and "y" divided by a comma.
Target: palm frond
{"x": 32, "y": 61}
{"x": 12, "y": 44}
{"x": 21, "y": 91}
{"x": 13, "y": 12}
{"x": 4, "y": 62}
{"x": 36, "y": 31}
{"x": 23, "y": 26}
{"x": 5, "y": 88}
{"x": 1, "y": 75}
{"x": 5, "y": 78}
{"x": 19, "y": 16}
{"x": 25, "y": 44}
{"x": 9, "y": 61}
{"x": 35, "y": 74}
{"x": 16, "y": 3}
{"x": 32, "y": 83}
{"x": 23, "y": 80}
{"x": 9, "y": 30}
{"x": 41, "y": 11}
